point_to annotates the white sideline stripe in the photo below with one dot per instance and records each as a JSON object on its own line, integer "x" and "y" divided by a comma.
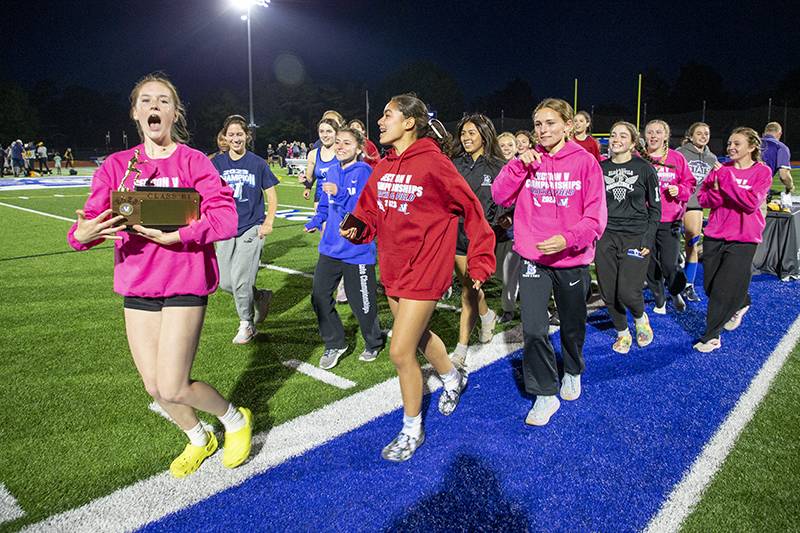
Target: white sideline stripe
{"x": 320, "y": 373}
{"x": 9, "y": 508}
{"x": 687, "y": 493}
{"x": 309, "y": 208}
{"x": 286, "y": 270}
{"x": 24, "y": 197}
{"x": 37, "y": 212}
{"x": 155, "y": 497}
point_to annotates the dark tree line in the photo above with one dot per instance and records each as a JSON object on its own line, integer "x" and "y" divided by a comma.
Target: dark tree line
{"x": 82, "y": 116}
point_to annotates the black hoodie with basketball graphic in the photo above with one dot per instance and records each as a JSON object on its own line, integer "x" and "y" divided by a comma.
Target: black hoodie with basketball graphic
{"x": 633, "y": 198}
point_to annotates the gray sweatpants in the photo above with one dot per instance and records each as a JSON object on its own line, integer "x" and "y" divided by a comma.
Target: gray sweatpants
{"x": 238, "y": 266}
{"x": 509, "y": 263}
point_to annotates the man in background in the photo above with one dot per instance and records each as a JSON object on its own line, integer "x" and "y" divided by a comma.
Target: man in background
{"x": 777, "y": 157}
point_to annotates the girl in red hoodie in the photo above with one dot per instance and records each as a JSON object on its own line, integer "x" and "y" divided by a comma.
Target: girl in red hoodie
{"x": 583, "y": 134}
{"x": 677, "y": 185}
{"x": 734, "y": 192}
{"x": 560, "y": 214}
{"x": 412, "y": 204}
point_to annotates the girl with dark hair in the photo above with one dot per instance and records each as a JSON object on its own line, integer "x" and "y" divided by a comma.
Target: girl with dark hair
{"x": 524, "y": 141}
{"x": 371, "y": 155}
{"x": 734, "y": 192}
{"x": 412, "y": 206}
{"x": 677, "y": 186}
{"x": 478, "y": 158}
{"x": 250, "y": 179}
{"x": 508, "y": 260}
{"x": 340, "y": 259}
{"x": 633, "y": 199}
{"x": 166, "y": 277}
{"x": 582, "y": 134}
{"x": 321, "y": 159}
{"x": 701, "y": 161}
{"x": 560, "y": 213}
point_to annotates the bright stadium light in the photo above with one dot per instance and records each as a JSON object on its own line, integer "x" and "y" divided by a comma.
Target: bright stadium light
{"x": 245, "y": 5}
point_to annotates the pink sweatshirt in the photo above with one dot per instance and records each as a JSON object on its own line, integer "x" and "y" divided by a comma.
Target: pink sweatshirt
{"x": 736, "y": 207}
{"x": 673, "y": 207}
{"x": 144, "y": 268}
{"x": 564, "y": 195}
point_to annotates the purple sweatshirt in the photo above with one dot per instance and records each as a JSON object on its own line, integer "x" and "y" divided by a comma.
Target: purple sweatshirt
{"x": 563, "y": 195}
{"x": 144, "y": 268}
{"x": 736, "y": 207}
{"x": 679, "y": 174}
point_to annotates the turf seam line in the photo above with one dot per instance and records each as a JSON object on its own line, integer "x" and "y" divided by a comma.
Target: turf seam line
{"x": 688, "y": 492}
{"x": 320, "y": 374}
{"x": 159, "y": 495}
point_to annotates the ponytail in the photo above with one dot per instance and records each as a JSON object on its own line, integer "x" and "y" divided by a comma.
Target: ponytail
{"x": 424, "y": 126}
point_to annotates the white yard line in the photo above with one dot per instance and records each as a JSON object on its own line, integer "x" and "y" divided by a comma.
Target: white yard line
{"x": 157, "y": 496}
{"x": 9, "y": 508}
{"x": 42, "y": 213}
{"x": 687, "y": 493}
{"x": 320, "y": 374}
{"x": 286, "y": 270}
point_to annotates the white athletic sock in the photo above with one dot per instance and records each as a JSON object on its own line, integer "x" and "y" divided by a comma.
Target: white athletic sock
{"x": 412, "y": 425}
{"x": 488, "y": 317}
{"x": 233, "y": 420}
{"x": 461, "y": 349}
{"x": 198, "y": 436}
{"x": 451, "y": 380}
{"x": 642, "y": 320}
{"x": 623, "y": 333}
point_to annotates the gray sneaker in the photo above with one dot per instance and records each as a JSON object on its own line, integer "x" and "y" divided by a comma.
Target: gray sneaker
{"x": 331, "y": 357}
{"x": 448, "y": 401}
{"x": 261, "y": 305}
{"x": 369, "y": 355}
{"x": 402, "y": 447}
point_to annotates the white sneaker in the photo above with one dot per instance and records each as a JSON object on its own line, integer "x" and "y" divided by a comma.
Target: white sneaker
{"x": 570, "y": 387}
{"x": 487, "y": 326}
{"x": 710, "y": 346}
{"x": 786, "y": 200}
{"x": 459, "y": 360}
{"x": 660, "y": 310}
{"x": 246, "y": 333}
{"x": 543, "y": 408}
{"x": 261, "y": 305}
{"x": 736, "y": 319}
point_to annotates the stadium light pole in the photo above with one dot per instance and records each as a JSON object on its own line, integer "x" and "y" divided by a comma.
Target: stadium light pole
{"x": 245, "y": 6}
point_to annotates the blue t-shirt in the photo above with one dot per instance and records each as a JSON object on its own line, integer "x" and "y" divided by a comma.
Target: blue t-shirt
{"x": 775, "y": 154}
{"x": 248, "y": 177}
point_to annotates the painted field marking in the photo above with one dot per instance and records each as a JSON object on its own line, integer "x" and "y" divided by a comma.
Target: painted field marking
{"x": 161, "y": 494}
{"x": 320, "y": 374}
{"x": 24, "y": 197}
{"x": 687, "y": 493}
{"x": 286, "y": 270}
{"x": 9, "y": 508}
{"x": 37, "y": 212}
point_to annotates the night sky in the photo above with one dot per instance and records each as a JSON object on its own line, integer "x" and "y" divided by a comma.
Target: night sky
{"x": 107, "y": 45}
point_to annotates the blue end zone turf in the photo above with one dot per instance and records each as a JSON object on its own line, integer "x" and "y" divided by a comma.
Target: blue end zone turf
{"x": 605, "y": 462}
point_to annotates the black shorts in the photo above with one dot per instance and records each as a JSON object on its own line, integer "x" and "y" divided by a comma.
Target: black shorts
{"x": 156, "y": 304}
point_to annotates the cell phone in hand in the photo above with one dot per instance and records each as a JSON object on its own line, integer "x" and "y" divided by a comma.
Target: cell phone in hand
{"x": 350, "y": 221}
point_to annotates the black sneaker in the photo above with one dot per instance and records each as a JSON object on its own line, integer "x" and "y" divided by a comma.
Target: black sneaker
{"x": 402, "y": 447}
{"x": 449, "y": 399}
{"x": 690, "y": 295}
{"x": 506, "y": 317}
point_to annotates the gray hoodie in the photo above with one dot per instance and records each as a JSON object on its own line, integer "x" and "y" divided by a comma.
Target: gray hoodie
{"x": 700, "y": 163}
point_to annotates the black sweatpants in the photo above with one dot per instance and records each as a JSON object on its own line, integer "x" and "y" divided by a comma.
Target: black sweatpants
{"x": 621, "y": 271}
{"x": 727, "y": 269}
{"x": 360, "y": 287}
{"x": 568, "y": 285}
{"x": 664, "y": 262}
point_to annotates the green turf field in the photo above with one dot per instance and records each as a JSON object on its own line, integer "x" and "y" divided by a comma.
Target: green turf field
{"x": 75, "y": 423}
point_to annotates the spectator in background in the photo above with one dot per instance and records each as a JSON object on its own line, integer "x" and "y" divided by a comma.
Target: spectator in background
{"x": 30, "y": 158}
{"x": 17, "y": 161}
{"x": 41, "y": 156}
{"x": 582, "y": 134}
{"x": 2, "y": 161}
{"x": 303, "y": 150}
{"x": 69, "y": 159}
{"x": 777, "y": 157}
{"x": 371, "y": 153}
{"x": 57, "y": 163}
{"x": 282, "y": 151}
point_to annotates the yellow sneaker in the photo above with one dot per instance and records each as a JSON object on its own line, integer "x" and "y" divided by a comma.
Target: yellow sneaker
{"x": 192, "y": 457}
{"x": 644, "y": 333}
{"x": 622, "y": 344}
{"x": 237, "y": 443}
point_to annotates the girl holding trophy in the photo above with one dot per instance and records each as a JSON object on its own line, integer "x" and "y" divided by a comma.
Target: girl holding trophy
{"x": 165, "y": 277}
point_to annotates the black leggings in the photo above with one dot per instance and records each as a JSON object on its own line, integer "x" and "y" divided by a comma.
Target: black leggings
{"x": 620, "y": 273}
